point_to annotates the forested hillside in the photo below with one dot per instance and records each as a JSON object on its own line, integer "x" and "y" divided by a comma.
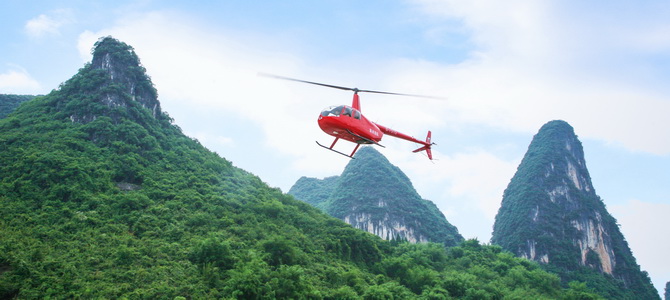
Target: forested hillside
{"x": 374, "y": 195}
{"x": 314, "y": 191}
{"x": 551, "y": 213}
{"x": 8, "y": 103}
{"x": 102, "y": 197}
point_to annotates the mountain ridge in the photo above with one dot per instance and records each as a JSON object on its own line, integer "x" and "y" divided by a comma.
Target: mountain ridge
{"x": 109, "y": 199}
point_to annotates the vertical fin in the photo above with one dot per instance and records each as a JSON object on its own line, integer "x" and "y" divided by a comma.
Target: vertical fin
{"x": 428, "y": 141}
{"x": 426, "y": 147}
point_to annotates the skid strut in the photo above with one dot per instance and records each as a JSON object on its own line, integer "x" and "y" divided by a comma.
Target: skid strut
{"x": 358, "y": 144}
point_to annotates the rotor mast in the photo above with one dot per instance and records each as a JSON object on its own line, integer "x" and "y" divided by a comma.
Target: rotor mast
{"x": 356, "y": 103}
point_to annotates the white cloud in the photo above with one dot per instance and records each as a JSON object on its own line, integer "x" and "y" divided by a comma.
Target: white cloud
{"x": 18, "y": 82}
{"x": 656, "y": 39}
{"x": 211, "y": 139}
{"x": 537, "y": 61}
{"x": 466, "y": 173}
{"x": 48, "y": 24}
{"x": 500, "y": 29}
{"x": 646, "y": 227}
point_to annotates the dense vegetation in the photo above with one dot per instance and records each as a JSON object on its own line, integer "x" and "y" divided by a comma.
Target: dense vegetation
{"x": 8, "y": 103}
{"x": 550, "y": 193}
{"x": 314, "y": 191}
{"x": 370, "y": 185}
{"x": 103, "y": 200}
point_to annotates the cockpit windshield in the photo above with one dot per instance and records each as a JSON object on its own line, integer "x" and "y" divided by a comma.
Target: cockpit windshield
{"x": 333, "y": 111}
{"x": 336, "y": 111}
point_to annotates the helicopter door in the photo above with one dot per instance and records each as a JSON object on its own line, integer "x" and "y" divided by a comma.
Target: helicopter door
{"x": 357, "y": 114}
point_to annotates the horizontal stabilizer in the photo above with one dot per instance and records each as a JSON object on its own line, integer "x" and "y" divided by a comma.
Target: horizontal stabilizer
{"x": 426, "y": 147}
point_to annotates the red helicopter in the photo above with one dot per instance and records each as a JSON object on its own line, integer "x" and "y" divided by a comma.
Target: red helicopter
{"x": 348, "y": 123}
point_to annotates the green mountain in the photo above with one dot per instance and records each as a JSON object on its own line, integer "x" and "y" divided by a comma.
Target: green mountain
{"x": 376, "y": 196}
{"x": 550, "y": 213}
{"x": 8, "y": 103}
{"x": 102, "y": 197}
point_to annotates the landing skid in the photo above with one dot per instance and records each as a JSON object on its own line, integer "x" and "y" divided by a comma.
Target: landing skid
{"x": 338, "y": 152}
{"x": 358, "y": 144}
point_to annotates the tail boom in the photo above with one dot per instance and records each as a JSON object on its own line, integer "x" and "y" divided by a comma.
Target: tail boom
{"x": 426, "y": 145}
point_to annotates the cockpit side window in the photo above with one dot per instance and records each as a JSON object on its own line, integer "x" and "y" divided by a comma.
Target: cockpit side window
{"x": 357, "y": 114}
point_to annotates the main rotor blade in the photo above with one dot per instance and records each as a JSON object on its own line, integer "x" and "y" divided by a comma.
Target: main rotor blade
{"x": 356, "y": 90}
{"x": 400, "y": 94}
{"x": 310, "y": 82}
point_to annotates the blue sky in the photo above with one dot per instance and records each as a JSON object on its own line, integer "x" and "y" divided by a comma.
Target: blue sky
{"x": 506, "y": 68}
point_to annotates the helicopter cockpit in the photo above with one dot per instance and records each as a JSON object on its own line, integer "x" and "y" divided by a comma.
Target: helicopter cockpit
{"x": 336, "y": 111}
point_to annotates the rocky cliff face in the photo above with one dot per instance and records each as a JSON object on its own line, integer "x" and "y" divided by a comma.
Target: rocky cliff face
{"x": 387, "y": 227}
{"x": 375, "y": 196}
{"x": 124, "y": 69}
{"x": 550, "y": 213}
{"x": 115, "y": 79}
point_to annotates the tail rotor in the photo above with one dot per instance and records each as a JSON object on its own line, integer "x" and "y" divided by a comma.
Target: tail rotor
{"x": 426, "y": 146}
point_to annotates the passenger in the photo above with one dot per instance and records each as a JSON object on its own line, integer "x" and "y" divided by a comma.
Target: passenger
{"x": 347, "y": 111}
